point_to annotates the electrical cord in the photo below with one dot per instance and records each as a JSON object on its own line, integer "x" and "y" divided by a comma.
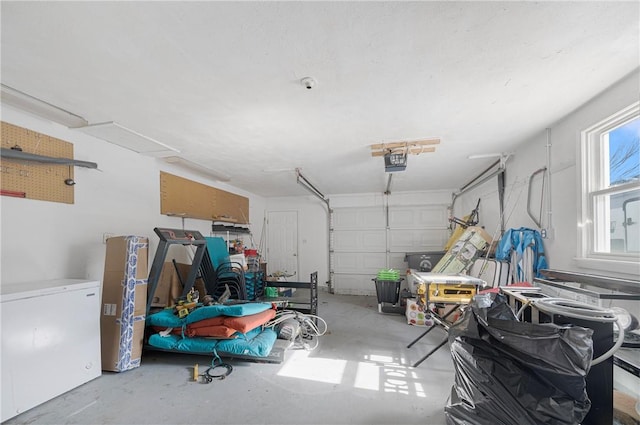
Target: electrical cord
{"x": 309, "y": 329}
{"x": 575, "y": 309}
{"x": 524, "y": 306}
{"x": 208, "y": 376}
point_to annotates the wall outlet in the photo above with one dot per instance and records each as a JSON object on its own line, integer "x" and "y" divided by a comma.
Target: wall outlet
{"x": 106, "y": 236}
{"x": 547, "y": 233}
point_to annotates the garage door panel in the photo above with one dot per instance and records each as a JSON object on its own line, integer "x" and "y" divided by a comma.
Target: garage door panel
{"x": 418, "y": 217}
{"x": 360, "y": 240}
{"x": 357, "y": 262}
{"x": 358, "y": 218}
{"x": 401, "y": 240}
{"x": 354, "y": 284}
{"x": 345, "y": 241}
{"x": 362, "y": 244}
{"x": 373, "y": 262}
{"x": 396, "y": 262}
{"x": 345, "y": 262}
{"x": 374, "y": 240}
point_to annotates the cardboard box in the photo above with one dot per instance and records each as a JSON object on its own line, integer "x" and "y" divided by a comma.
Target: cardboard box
{"x": 124, "y": 302}
{"x": 170, "y": 287}
{"x": 443, "y": 310}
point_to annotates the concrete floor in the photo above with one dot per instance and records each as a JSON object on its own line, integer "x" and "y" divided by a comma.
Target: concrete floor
{"x": 360, "y": 374}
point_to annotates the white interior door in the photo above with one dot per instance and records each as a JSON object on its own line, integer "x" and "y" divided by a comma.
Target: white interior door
{"x": 282, "y": 242}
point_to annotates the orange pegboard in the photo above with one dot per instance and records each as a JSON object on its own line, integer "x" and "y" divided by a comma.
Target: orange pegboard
{"x": 36, "y": 180}
{"x": 186, "y": 198}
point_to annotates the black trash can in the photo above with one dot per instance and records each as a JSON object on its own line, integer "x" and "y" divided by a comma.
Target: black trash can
{"x": 387, "y": 291}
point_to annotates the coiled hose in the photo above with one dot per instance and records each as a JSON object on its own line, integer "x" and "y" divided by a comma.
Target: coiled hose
{"x": 578, "y": 310}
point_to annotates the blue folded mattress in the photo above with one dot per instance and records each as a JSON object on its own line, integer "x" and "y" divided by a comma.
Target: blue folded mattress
{"x": 257, "y": 342}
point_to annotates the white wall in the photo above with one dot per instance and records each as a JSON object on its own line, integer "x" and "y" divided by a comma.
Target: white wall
{"x": 47, "y": 240}
{"x": 562, "y": 248}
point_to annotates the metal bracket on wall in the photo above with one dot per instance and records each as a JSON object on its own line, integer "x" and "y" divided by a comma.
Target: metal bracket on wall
{"x": 302, "y": 180}
{"x": 26, "y": 156}
{"x": 538, "y": 221}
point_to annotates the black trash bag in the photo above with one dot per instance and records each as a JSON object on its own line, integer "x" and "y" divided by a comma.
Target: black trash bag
{"x": 514, "y": 373}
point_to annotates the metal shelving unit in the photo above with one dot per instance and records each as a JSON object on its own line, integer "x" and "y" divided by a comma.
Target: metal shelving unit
{"x": 304, "y": 304}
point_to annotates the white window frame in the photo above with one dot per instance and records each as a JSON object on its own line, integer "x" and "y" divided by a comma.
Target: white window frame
{"x": 594, "y": 172}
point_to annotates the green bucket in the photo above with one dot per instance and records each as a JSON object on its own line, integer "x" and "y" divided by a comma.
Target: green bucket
{"x": 270, "y": 292}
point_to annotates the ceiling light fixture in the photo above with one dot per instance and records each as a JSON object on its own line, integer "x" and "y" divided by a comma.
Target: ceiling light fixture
{"x": 32, "y": 105}
{"x": 117, "y": 134}
{"x": 308, "y": 82}
{"x": 198, "y": 168}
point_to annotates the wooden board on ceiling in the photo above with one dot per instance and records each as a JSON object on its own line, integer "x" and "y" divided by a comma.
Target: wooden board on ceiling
{"x": 415, "y": 147}
{"x": 41, "y": 181}
{"x": 185, "y": 198}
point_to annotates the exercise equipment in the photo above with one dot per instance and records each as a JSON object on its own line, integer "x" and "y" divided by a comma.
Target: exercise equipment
{"x": 170, "y": 237}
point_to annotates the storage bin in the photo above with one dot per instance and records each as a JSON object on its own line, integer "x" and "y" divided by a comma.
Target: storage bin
{"x": 387, "y": 291}
{"x": 250, "y": 252}
{"x": 423, "y": 261}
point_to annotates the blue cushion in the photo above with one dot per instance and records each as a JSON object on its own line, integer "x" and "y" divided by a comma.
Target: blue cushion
{"x": 166, "y": 318}
{"x": 257, "y": 342}
{"x": 235, "y": 310}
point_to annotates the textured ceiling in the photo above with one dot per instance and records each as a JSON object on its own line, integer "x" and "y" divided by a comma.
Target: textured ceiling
{"x": 220, "y": 81}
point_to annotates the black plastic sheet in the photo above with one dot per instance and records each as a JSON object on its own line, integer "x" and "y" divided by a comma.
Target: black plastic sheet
{"x": 516, "y": 373}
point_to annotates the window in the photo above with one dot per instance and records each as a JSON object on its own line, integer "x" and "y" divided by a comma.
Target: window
{"x": 611, "y": 188}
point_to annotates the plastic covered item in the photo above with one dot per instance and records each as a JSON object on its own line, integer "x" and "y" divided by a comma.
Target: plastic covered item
{"x": 388, "y": 274}
{"x": 509, "y": 372}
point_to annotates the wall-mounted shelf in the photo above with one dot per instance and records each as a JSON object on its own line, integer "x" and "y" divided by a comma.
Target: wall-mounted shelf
{"x": 219, "y": 228}
{"x": 37, "y": 166}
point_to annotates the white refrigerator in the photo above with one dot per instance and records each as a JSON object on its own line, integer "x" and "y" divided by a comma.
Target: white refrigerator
{"x": 50, "y": 340}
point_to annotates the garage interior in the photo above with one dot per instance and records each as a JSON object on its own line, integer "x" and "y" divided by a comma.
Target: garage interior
{"x": 368, "y": 180}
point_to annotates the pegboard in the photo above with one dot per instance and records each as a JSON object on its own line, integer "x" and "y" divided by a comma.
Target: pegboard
{"x": 36, "y": 180}
{"x": 185, "y": 198}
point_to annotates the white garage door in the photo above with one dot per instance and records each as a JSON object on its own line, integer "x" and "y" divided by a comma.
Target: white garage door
{"x": 367, "y": 239}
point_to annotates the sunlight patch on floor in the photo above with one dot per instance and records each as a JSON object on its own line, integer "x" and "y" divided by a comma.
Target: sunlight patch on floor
{"x": 386, "y": 373}
{"x": 377, "y": 358}
{"x": 300, "y": 365}
{"x": 367, "y": 376}
{"x": 395, "y": 380}
{"x": 377, "y": 372}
